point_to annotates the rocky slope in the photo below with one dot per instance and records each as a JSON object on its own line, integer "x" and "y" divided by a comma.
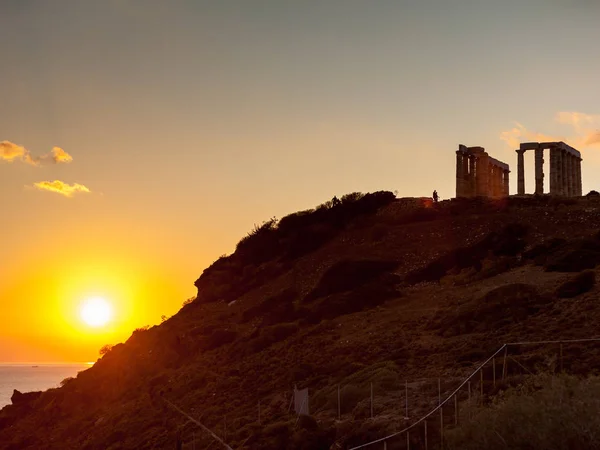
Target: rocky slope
{"x": 366, "y": 290}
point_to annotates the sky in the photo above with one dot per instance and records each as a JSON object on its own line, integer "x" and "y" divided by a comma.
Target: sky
{"x": 141, "y": 139}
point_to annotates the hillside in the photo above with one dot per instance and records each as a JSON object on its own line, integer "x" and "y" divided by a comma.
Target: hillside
{"x": 369, "y": 289}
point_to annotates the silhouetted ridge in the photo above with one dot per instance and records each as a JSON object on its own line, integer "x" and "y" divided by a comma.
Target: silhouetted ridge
{"x": 269, "y": 249}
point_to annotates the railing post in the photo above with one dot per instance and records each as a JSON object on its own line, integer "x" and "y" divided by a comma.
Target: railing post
{"x": 504, "y": 370}
{"x": 469, "y": 386}
{"x": 426, "y": 447}
{"x": 494, "y": 369}
{"x": 439, "y": 392}
{"x": 455, "y": 410}
{"x": 481, "y": 386}
{"x": 339, "y": 405}
{"x": 441, "y": 426}
{"x": 408, "y": 440}
{"x": 371, "y": 400}
{"x": 406, "y": 398}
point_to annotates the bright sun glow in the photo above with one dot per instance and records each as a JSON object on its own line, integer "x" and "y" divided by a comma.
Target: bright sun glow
{"x": 96, "y": 312}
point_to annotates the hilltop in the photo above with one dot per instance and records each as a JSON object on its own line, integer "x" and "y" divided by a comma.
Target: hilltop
{"x": 367, "y": 289}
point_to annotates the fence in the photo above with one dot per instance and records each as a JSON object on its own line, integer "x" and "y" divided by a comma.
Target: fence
{"x": 421, "y": 434}
{"x": 435, "y": 402}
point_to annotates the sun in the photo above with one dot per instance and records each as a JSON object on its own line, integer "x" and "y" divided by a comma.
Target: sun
{"x": 96, "y": 312}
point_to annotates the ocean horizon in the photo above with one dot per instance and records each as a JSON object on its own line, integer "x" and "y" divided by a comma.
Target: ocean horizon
{"x": 34, "y": 376}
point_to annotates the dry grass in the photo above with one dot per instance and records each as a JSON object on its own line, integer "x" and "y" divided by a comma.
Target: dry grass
{"x": 551, "y": 413}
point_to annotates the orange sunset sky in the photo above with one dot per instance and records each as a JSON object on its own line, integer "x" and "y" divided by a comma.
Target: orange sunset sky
{"x": 141, "y": 139}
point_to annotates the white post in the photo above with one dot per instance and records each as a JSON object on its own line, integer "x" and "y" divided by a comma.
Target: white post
{"x": 439, "y": 392}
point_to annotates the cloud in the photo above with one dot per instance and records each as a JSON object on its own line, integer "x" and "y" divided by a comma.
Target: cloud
{"x": 585, "y": 131}
{"x": 519, "y": 133}
{"x": 59, "y": 187}
{"x": 57, "y": 155}
{"x": 10, "y": 152}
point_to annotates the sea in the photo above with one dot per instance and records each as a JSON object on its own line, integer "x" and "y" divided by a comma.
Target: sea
{"x": 34, "y": 377}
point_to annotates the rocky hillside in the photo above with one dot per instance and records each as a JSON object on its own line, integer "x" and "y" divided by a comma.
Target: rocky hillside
{"x": 364, "y": 293}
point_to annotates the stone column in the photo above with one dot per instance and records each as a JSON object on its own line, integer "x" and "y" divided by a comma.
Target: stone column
{"x": 500, "y": 178}
{"x": 472, "y": 170}
{"x": 579, "y": 186}
{"x": 539, "y": 171}
{"x": 466, "y": 176}
{"x": 560, "y": 180}
{"x": 553, "y": 171}
{"x": 520, "y": 172}
{"x": 563, "y": 173}
{"x": 460, "y": 176}
{"x": 506, "y": 185}
{"x": 482, "y": 172}
{"x": 569, "y": 174}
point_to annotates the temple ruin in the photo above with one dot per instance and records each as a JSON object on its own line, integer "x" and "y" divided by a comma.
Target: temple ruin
{"x": 480, "y": 175}
{"x": 565, "y": 168}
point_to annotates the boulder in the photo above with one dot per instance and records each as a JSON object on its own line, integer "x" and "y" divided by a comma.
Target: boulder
{"x": 20, "y": 398}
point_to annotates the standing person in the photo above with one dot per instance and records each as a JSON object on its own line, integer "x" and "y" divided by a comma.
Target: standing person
{"x": 435, "y": 197}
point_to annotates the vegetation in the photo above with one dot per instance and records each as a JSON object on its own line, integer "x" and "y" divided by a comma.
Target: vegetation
{"x": 105, "y": 349}
{"x": 553, "y": 413}
{"x": 340, "y": 295}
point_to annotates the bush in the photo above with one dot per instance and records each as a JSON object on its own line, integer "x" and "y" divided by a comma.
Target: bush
{"x": 105, "y": 349}
{"x": 271, "y": 335}
{"x": 275, "y": 309}
{"x": 577, "y": 285}
{"x": 347, "y": 275}
{"x": 505, "y": 243}
{"x": 573, "y": 261}
{"x": 219, "y": 338}
{"x": 547, "y": 413}
{"x": 508, "y": 304}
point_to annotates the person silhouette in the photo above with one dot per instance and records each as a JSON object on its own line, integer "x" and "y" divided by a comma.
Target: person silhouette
{"x": 435, "y": 197}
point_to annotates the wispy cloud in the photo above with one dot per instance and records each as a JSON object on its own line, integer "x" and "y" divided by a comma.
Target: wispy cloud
{"x": 519, "y": 133}
{"x": 10, "y": 152}
{"x": 585, "y": 131}
{"x": 59, "y": 187}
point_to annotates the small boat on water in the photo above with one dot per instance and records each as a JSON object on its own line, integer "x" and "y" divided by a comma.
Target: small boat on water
{"x": 34, "y": 366}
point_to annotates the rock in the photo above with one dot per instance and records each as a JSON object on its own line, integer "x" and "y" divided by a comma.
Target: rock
{"x": 20, "y": 398}
{"x": 577, "y": 285}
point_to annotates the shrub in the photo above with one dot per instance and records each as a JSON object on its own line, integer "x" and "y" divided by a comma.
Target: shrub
{"x": 558, "y": 413}
{"x": 105, "y": 349}
{"x": 577, "y": 285}
{"x": 275, "y": 309}
{"x": 501, "y": 306}
{"x": 506, "y": 242}
{"x": 66, "y": 381}
{"x": 188, "y": 301}
{"x": 347, "y": 275}
{"x": 271, "y": 335}
{"x": 219, "y": 338}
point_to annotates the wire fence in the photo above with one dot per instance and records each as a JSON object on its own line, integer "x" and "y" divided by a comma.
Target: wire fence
{"x": 423, "y": 409}
{"x": 423, "y": 433}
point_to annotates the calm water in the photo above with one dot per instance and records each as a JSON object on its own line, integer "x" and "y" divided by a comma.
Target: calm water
{"x": 26, "y": 378}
